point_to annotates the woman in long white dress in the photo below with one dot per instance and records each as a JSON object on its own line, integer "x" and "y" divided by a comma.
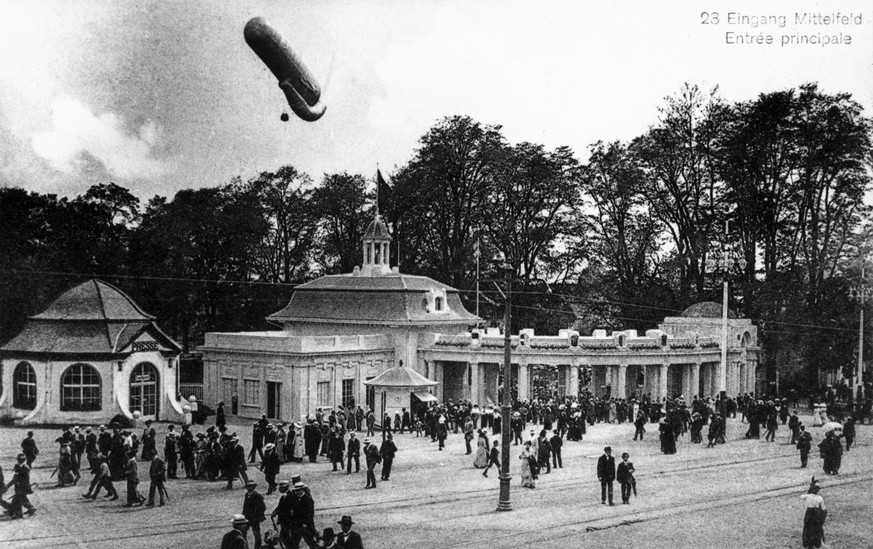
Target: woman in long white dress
{"x": 481, "y": 460}
{"x": 527, "y": 480}
{"x": 298, "y": 442}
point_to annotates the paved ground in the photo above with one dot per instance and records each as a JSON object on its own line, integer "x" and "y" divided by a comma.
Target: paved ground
{"x": 744, "y": 494}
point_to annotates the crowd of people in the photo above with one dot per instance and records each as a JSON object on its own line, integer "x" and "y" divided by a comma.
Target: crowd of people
{"x": 541, "y": 427}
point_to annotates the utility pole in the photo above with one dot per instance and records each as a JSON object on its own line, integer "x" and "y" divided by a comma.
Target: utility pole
{"x": 860, "y": 293}
{"x": 504, "y": 504}
{"x": 725, "y": 264}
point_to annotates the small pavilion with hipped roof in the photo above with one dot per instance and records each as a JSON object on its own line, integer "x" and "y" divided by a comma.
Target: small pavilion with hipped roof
{"x": 402, "y": 387}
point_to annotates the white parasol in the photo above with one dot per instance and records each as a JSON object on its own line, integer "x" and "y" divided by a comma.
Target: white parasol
{"x": 832, "y": 426}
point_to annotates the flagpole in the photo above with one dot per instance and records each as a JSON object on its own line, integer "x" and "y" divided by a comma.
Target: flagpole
{"x": 478, "y": 253}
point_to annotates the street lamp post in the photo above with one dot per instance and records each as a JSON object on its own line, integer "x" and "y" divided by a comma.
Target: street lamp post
{"x": 725, "y": 264}
{"x": 860, "y": 293}
{"x": 504, "y": 504}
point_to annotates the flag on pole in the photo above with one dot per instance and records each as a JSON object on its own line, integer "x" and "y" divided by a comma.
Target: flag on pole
{"x": 380, "y": 183}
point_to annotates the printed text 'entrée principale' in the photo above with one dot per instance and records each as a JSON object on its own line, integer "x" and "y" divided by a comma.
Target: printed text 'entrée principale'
{"x": 801, "y": 28}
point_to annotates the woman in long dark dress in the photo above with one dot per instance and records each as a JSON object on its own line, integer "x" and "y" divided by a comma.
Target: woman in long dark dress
{"x": 814, "y": 519}
{"x": 668, "y": 442}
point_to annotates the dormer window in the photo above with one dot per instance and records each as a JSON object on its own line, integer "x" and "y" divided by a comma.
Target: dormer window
{"x": 438, "y": 304}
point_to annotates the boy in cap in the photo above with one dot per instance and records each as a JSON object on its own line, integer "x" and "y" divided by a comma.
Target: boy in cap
{"x": 625, "y": 476}
{"x": 253, "y": 510}
{"x": 236, "y": 538}
{"x": 348, "y": 539}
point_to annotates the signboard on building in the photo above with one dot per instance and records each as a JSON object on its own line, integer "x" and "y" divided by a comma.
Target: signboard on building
{"x": 145, "y": 346}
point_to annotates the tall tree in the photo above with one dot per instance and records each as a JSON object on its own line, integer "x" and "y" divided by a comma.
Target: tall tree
{"x": 681, "y": 182}
{"x": 285, "y": 200}
{"x": 340, "y": 203}
{"x": 444, "y": 191}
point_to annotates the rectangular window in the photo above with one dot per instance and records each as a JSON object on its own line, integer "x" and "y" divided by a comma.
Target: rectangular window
{"x": 252, "y": 389}
{"x": 323, "y": 393}
{"x": 348, "y": 393}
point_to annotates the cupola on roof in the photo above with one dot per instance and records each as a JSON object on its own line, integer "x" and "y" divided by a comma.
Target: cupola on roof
{"x": 377, "y": 229}
{"x": 376, "y": 293}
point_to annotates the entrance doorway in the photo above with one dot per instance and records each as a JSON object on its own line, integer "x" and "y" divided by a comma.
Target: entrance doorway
{"x": 274, "y": 400}
{"x": 230, "y": 393}
{"x": 144, "y": 390}
{"x": 454, "y": 374}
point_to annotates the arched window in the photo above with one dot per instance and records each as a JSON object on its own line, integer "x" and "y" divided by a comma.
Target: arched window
{"x": 438, "y": 304}
{"x": 24, "y": 387}
{"x": 80, "y": 389}
{"x": 144, "y": 389}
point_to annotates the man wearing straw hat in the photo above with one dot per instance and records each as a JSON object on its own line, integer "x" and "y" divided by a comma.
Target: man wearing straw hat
{"x": 236, "y": 538}
{"x": 302, "y": 524}
{"x": 253, "y": 511}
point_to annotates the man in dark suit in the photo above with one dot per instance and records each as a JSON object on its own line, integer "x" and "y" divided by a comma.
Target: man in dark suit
{"x": 253, "y": 510}
{"x": 354, "y": 452}
{"x": 236, "y": 538}
{"x": 348, "y": 539}
{"x": 606, "y": 474}
{"x": 557, "y": 442}
{"x": 282, "y": 513}
{"x": 387, "y": 452}
{"x": 371, "y": 454}
{"x": 625, "y": 476}
{"x": 302, "y": 524}
{"x": 157, "y": 474}
{"x": 170, "y": 454}
{"x": 28, "y": 446}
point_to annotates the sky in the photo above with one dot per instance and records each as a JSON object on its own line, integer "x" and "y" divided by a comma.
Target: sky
{"x": 159, "y": 96}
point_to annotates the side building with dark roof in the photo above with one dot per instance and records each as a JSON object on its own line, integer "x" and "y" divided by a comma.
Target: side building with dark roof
{"x": 91, "y": 354}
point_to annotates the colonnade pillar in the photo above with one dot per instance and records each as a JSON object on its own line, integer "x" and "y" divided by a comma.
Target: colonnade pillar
{"x": 573, "y": 380}
{"x": 662, "y": 380}
{"x": 523, "y": 381}
{"x": 621, "y": 382}
{"x": 475, "y": 394}
{"x": 694, "y": 381}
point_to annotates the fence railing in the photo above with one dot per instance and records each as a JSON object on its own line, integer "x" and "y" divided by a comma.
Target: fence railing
{"x": 188, "y": 389}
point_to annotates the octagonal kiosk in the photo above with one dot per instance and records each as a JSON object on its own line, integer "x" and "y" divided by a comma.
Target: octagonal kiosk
{"x": 400, "y": 387}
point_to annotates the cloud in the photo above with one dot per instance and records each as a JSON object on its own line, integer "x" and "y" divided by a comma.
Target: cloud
{"x": 79, "y": 137}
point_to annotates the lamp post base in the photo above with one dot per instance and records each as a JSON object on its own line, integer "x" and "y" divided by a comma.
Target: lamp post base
{"x": 504, "y": 504}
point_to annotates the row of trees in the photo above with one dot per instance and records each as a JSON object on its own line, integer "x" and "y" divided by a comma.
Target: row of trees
{"x": 619, "y": 241}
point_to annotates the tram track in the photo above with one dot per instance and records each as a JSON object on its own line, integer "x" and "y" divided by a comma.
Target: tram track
{"x": 574, "y": 482}
{"x": 575, "y": 528}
